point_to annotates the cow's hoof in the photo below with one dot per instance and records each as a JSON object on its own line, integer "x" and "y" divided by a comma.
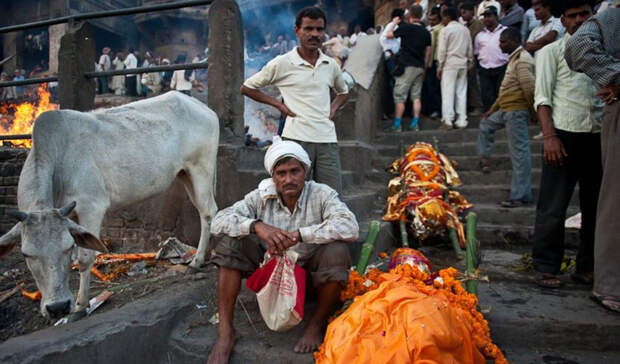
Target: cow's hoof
{"x": 75, "y": 316}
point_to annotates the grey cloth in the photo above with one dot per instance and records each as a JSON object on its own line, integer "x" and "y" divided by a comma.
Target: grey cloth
{"x": 607, "y": 242}
{"x": 594, "y": 49}
{"x": 329, "y": 263}
{"x": 516, "y": 126}
{"x": 474, "y": 98}
{"x": 325, "y": 159}
{"x": 513, "y": 17}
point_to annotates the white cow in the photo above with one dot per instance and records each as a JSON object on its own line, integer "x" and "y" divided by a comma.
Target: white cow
{"x": 89, "y": 163}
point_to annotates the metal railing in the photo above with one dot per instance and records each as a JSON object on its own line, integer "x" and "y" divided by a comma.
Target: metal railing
{"x": 96, "y": 15}
{"x": 105, "y": 14}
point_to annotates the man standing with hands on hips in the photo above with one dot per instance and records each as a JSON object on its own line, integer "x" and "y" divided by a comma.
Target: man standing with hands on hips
{"x": 304, "y": 77}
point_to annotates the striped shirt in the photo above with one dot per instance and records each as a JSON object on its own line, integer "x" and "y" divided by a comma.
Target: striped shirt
{"x": 319, "y": 216}
{"x": 517, "y": 89}
{"x": 595, "y": 48}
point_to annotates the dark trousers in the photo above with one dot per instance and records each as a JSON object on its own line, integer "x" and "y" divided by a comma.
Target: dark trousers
{"x": 130, "y": 83}
{"x": 103, "y": 85}
{"x": 388, "y": 94}
{"x": 490, "y": 80}
{"x": 583, "y": 164}
{"x": 431, "y": 92}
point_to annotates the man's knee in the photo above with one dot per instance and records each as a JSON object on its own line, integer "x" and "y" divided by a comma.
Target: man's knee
{"x": 243, "y": 254}
{"x": 331, "y": 264}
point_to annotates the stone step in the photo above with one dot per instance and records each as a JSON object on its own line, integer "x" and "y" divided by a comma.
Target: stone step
{"x": 494, "y": 193}
{"x": 362, "y": 200}
{"x": 526, "y": 215}
{"x": 453, "y": 149}
{"x": 522, "y": 315}
{"x": 427, "y": 123}
{"x": 495, "y": 177}
{"x": 509, "y": 236}
{"x": 499, "y": 162}
{"x": 468, "y": 135}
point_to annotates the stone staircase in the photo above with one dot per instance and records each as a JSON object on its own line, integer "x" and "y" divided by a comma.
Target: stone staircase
{"x": 497, "y": 226}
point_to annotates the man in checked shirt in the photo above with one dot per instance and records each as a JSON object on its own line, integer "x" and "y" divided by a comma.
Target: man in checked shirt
{"x": 284, "y": 212}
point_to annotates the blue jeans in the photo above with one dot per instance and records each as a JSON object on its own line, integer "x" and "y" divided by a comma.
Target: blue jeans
{"x": 515, "y": 123}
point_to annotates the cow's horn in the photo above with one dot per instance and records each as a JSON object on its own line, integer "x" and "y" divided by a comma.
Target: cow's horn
{"x": 19, "y": 215}
{"x": 66, "y": 210}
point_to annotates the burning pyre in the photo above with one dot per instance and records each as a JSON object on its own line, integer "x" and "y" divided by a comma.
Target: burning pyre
{"x": 19, "y": 118}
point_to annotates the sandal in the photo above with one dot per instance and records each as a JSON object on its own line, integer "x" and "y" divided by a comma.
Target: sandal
{"x": 586, "y": 278}
{"x": 547, "y": 280}
{"x": 609, "y": 302}
{"x": 484, "y": 166}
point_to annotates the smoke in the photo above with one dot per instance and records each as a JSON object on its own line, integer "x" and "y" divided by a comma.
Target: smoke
{"x": 264, "y": 24}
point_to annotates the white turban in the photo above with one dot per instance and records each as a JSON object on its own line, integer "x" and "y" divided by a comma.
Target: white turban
{"x": 285, "y": 148}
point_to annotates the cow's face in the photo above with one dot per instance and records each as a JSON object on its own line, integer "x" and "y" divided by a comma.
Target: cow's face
{"x": 47, "y": 240}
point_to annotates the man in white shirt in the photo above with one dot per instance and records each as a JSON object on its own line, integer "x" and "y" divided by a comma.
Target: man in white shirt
{"x": 455, "y": 58}
{"x": 549, "y": 30}
{"x": 391, "y": 47}
{"x": 104, "y": 65}
{"x": 529, "y": 23}
{"x": 357, "y": 34}
{"x": 131, "y": 81}
{"x": 304, "y": 77}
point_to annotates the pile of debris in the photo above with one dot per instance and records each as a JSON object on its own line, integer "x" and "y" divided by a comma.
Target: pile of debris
{"x": 108, "y": 267}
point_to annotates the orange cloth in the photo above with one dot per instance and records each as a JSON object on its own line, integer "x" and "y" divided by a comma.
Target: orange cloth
{"x": 396, "y": 323}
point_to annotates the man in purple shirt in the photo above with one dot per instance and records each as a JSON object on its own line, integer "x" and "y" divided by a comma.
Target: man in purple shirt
{"x": 491, "y": 60}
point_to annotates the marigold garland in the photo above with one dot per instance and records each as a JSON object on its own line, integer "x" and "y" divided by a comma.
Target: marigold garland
{"x": 412, "y": 156}
{"x": 444, "y": 283}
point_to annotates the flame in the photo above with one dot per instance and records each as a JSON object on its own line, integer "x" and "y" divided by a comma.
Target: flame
{"x": 24, "y": 115}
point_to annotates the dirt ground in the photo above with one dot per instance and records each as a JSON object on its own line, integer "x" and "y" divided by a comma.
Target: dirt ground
{"x": 19, "y": 315}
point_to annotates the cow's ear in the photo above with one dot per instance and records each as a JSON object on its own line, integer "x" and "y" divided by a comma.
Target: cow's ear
{"x": 84, "y": 239}
{"x": 10, "y": 239}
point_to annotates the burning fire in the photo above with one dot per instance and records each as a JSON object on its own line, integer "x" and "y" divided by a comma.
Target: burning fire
{"x": 23, "y": 117}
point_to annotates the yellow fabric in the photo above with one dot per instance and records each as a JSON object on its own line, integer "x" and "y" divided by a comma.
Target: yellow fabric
{"x": 396, "y": 323}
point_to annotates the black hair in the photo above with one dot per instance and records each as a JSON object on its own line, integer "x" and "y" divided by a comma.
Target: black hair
{"x": 467, "y": 6}
{"x": 511, "y": 33}
{"x": 543, "y": 3}
{"x": 311, "y": 12}
{"x": 451, "y": 12}
{"x": 436, "y": 11}
{"x": 397, "y": 12}
{"x": 571, "y": 4}
{"x": 416, "y": 11}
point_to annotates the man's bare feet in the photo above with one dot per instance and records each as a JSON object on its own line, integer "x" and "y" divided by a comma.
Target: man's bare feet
{"x": 220, "y": 353}
{"x": 310, "y": 340}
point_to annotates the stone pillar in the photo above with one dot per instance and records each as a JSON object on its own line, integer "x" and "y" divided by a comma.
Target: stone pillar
{"x": 55, "y": 33}
{"x": 76, "y": 56}
{"x": 13, "y": 45}
{"x": 226, "y": 65}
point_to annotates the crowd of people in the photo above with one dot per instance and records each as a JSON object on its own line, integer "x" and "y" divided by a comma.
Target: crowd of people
{"x": 145, "y": 84}
{"x": 15, "y": 93}
{"x": 516, "y": 67}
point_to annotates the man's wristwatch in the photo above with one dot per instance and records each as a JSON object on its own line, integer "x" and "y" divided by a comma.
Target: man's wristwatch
{"x": 253, "y": 226}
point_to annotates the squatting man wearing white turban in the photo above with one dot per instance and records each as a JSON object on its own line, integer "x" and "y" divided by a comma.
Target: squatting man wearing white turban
{"x": 284, "y": 212}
